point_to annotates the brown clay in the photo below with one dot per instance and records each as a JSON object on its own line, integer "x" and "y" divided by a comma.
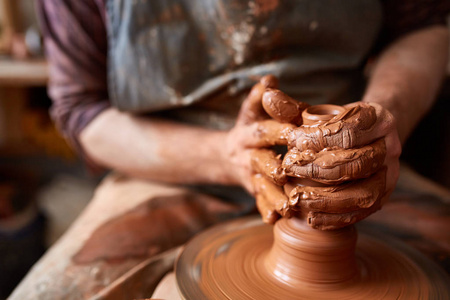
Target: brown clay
{"x": 269, "y": 133}
{"x": 330, "y": 193}
{"x": 338, "y": 199}
{"x": 252, "y": 110}
{"x": 338, "y": 196}
{"x": 268, "y": 163}
{"x": 237, "y": 261}
{"x": 283, "y": 108}
{"x": 319, "y": 114}
{"x": 326, "y": 256}
{"x": 342, "y": 130}
{"x": 273, "y": 199}
{"x": 332, "y": 179}
{"x": 332, "y": 165}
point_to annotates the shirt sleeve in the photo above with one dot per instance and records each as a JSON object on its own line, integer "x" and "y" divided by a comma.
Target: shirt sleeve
{"x": 76, "y": 50}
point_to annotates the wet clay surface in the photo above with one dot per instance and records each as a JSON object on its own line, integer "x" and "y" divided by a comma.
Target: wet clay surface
{"x": 328, "y": 145}
{"x": 267, "y": 162}
{"x": 283, "y": 108}
{"x": 341, "y": 198}
{"x": 235, "y": 261}
{"x": 343, "y": 130}
{"x": 333, "y": 165}
{"x": 329, "y": 178}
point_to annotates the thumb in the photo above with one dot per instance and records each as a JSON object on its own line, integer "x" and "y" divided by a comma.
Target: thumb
{"x": 283, "y": 108}
{"x": 251, "y": 109}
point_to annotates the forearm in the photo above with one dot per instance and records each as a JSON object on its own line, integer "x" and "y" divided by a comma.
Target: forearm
{"x": 155, "y": 149}
{"x": 407, "y": 76}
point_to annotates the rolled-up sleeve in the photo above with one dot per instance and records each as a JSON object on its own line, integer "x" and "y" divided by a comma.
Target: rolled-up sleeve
{"x": 76, "y": 49}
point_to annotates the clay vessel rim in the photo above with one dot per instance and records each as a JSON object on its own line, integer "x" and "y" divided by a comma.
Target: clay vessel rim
{"x": 322, "y": 112}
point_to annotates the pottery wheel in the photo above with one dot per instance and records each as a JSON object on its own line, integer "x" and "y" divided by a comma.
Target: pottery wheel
{"x": 229, "y": 262}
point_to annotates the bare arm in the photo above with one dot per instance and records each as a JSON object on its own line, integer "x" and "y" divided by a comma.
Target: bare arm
{"x": 402, "y": 88}
{"x": 144, "y": 147}
{"x": 177, "y": 153}
{"x": 155, "y": 149}
{"x": 408, "y": 74}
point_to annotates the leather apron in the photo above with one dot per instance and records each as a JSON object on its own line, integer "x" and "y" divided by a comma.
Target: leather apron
{"x": 206, "y": 54}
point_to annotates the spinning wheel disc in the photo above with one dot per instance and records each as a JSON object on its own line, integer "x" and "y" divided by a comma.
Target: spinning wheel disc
{"x": 228, "y": 262}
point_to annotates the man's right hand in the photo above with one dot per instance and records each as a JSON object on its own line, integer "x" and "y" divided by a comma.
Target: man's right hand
{"x": 360, "y": 184}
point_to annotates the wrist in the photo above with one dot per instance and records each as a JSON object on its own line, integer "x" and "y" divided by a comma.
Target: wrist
{"x": 221, "y": 169}
{"x": 391, "y": 103}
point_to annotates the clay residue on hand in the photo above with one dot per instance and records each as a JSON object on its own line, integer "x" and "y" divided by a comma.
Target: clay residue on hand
{"x": 268, "y": 163}
{"x": 332, "y": 146}
{"x": 341, "y": 198}
{"x": 301, "y": 262}
{"x": 334, "y": 165}
{"x": 327, "y": 150}
{"x": 283, "y": 108}
{"x": 333, "y": 221}
{"x": 272, "y": 201}
{"x": 252, "y": 109}
{"x": 343, "y": 130}
{"x": 270, "y": 133}
{"x": 329, "y": 154}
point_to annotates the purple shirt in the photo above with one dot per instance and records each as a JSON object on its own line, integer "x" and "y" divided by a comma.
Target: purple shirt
{"x": 76, "y": 48}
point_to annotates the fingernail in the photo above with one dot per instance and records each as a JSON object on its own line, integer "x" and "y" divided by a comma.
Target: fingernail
{"x": 269, "y": 81}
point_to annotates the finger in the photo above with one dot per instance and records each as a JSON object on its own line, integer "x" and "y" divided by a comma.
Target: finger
{"x": 266, "y": 134}
{"x": 344, "y": 198}
{"x": 269, "y": 81}
{"x": 268, "y": 163}
{"x": 251, "y": 109}
{"x": 326, "y": 221}
{"x": 357, "y": 126}
{"x": 386, "y": 125}
{"x": 268, "y": 213}
{"x": 265, "y": 207}
{"x": 283, "y": 108}
{"x": 273, "y": 198}
{"x": 335, "y": 165}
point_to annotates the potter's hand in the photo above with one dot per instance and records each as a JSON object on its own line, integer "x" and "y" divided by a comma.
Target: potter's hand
{"x": 250, "y": 139}
{"x": 268, "y": 174}
{"x": 347, "y": 147}
{"x": 358, "y": 148}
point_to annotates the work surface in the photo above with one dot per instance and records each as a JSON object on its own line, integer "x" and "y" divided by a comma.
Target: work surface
{"x": 417, "y": 217}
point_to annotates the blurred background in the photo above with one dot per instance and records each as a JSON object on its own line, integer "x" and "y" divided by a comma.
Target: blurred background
{"x": 43, "y": 186}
